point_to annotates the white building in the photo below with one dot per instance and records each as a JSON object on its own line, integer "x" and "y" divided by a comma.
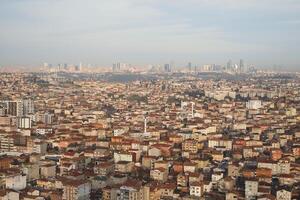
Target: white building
{"x": 254, "y": 104}
{"x": 14, "y": 108}
{"x": 15, "y": 181}
{"x": 280, "y": 167}
{"x": 251, "y": 189}
{"x": 10, "y": 195}
{"x": 196, "y": 189}
{"x": 24, "y": 122}
{"x": 122, "y": 156}
{"x": 28, "y": 106}
{"x": 213, "y": 143}
{"x": 283, "y": 195}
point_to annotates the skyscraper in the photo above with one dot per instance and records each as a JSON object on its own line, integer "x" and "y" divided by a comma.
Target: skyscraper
{"x": 28, "y": 106}
{"x": 189, "y": 66}
{"x": 116, "y": 67}
{"x": 229, "y": 65}
{"x": 80, "y": 67}
{"x": 242, "y": 66}
{"x": 14, "y": 108}
{"x": 167, "y": 68}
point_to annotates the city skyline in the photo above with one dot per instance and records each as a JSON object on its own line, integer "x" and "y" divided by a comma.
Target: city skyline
{"x": 263, "y": 33}
{"x": 149, "y": 100}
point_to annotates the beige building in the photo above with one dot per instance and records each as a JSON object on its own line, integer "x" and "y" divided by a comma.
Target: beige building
{"x": 76, "y": 190}
{"x": 159, "y": 174}
{"x": 48, "y": 170}
{"x": 283, "y": 195}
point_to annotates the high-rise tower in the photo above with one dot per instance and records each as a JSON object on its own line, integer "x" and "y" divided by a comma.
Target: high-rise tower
{"x": 242, "y": 66}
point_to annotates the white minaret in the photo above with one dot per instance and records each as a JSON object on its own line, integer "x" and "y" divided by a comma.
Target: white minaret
{"x": 193, "y": 109}
{"x": 145, "y": 124}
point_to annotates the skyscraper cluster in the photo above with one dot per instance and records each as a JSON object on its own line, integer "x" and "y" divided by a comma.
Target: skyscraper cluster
{"x": 121, "y": 67}
{"x": 63, "y": 67}
{"x": 236, "y": 68}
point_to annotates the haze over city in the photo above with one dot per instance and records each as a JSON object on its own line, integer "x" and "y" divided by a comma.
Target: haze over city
{"x": 262, "y": 32}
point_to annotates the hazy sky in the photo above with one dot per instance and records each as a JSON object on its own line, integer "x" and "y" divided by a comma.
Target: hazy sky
{"x": 262, "y": 32}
